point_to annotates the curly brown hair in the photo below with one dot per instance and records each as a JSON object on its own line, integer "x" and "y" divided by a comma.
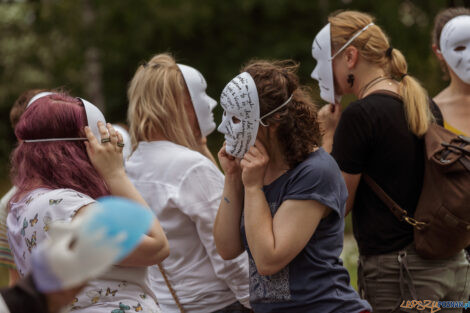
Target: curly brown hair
{"x": 298, "y": 131}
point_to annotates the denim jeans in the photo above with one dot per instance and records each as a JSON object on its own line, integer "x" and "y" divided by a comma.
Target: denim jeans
{"x": 386, "y": 280}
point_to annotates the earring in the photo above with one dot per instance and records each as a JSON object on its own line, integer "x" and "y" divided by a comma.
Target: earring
{"x": 350, "y": 80}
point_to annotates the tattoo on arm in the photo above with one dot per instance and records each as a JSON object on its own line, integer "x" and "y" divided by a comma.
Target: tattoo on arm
{"x": 227, "y": 200}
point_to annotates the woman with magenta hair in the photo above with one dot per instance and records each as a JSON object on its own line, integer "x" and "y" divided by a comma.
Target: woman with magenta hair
{"x": 60, "y": 168}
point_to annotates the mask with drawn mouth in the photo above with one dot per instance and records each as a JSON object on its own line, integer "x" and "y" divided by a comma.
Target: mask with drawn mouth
{"x": 240, "y": 121}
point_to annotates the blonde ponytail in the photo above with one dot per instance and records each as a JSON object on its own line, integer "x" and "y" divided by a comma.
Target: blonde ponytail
{"x": 372, "y": 46}
{"x": 415, "y": 97}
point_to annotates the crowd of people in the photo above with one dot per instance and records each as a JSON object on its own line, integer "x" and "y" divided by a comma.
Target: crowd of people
{"x": 265, "y": 232}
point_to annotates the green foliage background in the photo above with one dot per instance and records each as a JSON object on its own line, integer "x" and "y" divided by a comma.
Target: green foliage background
{"x": 44, "y": 44}
{"x": 51, "y": 43}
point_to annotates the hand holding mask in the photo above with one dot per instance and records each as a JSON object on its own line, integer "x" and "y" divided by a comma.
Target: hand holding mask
{"x": 254, "y": 165}
{"x": 241, "y": 117}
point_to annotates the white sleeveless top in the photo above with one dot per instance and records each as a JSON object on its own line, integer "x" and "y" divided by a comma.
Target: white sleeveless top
{"x": 121, "y": 289}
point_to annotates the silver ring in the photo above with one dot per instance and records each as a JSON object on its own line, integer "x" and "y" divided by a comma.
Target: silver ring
{"x": 121, "y": 144}
{"x": 105, "y": 140}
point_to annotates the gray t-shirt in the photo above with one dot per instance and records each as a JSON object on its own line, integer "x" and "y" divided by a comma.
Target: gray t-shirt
{"x": 315, "y": 280}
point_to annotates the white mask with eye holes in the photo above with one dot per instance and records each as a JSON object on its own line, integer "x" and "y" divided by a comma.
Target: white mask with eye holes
{"x": 202, "y": 103}
{"x": 240, "y": 121}
{"x": 455, "y": 46}
{"x": 241, "y": 117}
{"x": 323, "y": 72}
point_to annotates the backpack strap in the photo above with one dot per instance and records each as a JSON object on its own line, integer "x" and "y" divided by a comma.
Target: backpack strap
{"x": 436, "y": 112}
{"x": 397, "y": 210}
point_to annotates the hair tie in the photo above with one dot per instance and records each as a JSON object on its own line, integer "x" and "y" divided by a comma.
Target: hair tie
{"x": 403, "y": 76}
{"x": 388, "y": 52}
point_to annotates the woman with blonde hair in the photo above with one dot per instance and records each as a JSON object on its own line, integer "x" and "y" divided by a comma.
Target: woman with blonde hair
{"x": 379, "y": 138}
{"x": 169, "y": 116}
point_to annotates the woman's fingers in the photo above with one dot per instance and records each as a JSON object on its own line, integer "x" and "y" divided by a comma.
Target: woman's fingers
{"x": 103, "y": 132}
{"x": 249, "y": 157}
{"x": 260, "y": 147}
{"x": 93, "y": 142}
{"x": 120, "y": 142}
{"x": 112, "y": 134}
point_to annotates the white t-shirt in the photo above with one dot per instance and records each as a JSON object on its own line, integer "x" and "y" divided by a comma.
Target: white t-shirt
{"x": 184, "y": 189}
{"x": 121, "y": 288}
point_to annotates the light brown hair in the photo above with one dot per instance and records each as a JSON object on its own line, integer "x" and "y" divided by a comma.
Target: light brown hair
{"x": 372, "y": 46}
{"x": 157, "y": 95}
{"x": 298, "y": 131}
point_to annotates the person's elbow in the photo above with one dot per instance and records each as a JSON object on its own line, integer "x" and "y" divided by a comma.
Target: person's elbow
{"x": 162, "y": 251}
{"x": 267, "y": 270}
{"x": 228, "y": 254}
{"x": 227, "y": 249}
{"x": 268, "y": 266}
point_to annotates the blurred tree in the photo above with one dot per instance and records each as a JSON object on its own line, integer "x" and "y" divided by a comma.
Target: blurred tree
{"x": 93, "y": 47}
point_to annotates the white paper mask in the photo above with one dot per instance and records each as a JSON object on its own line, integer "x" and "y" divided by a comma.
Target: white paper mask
{"x": 240, "y": 102}
{"x": 455, "y": 46}
{"x": 93, "y": 115}
{"x": 323, "y": 72}
{"x": 202, "y": 103}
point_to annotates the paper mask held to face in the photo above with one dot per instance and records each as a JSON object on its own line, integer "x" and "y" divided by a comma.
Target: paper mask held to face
{"x": 240, "y": 121}
{"x": 202, "y": 103}
{"x": 241, "y": 117}
{"x": 455, "y": 46}
{"x": 323, "y": 72}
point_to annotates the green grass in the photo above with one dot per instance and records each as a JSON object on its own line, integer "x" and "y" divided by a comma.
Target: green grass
{"x": 350, "y": 252}
{"x": 350, "y": 255}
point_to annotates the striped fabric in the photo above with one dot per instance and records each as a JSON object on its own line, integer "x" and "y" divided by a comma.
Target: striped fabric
{"x": 6, "y": 258}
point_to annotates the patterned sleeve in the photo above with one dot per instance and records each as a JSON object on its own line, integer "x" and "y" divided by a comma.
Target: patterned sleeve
{"x": 65, "y": 203}
{"x": 6, "y": 257}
